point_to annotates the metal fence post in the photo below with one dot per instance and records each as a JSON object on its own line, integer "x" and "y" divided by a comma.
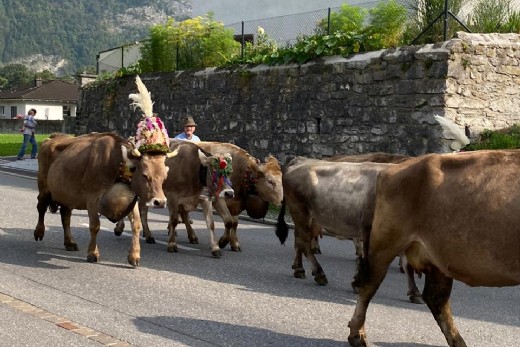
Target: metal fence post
{"x": 243, "y": 43}
{"x": 328, "y": 21}
{"x": 445, "y": 19}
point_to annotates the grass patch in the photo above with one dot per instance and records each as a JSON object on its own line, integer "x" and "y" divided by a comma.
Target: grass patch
{"x": 508, "y": 138}
{"x": 10, "y": 144}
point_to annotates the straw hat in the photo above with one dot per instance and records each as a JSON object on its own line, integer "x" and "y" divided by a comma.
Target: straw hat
{"x": 189, "y": 122}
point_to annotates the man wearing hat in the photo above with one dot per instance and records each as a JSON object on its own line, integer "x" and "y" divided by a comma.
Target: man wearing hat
{"x": 189, "y": 129}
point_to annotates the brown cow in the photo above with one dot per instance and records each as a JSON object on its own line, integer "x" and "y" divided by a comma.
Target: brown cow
{"x": 376, "y": 157}
{"x": 455, "y": 216}
{"x": 353, "y": 186}
{"x": 256, "y": 185}
{"x": 190, "y": 171}
{"x": 76, "y": 172}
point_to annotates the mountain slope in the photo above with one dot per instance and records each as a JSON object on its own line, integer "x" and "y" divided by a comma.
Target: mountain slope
{"x": 65, "y": 35}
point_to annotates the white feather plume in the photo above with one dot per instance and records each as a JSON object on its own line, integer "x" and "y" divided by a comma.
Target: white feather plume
{"x": 143, "y": 99}
{"x": 453, "y": 131}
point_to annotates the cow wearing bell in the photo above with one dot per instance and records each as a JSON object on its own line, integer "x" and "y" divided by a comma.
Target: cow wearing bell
{"x": 256, "y": 185}
{"x": 456, "y": 217}
{"x": 98, "y": 172}
{"x": 76, "y": 172}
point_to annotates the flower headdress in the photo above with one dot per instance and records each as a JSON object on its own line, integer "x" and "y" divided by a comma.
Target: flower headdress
{"x": 151, "y": 135}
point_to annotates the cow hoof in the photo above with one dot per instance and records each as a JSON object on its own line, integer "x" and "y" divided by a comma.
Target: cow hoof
{"x": 194, "y": 241}
{"x": 321, "y": 279}
{"x": 92, "y": 259}
{"x": 316, "y": 251}
{"x": 38, "y": 235}
{"x": 216, "y": 253}
{"x": 150, "y": 240}
{"x": 357, "y": 341}
{"x": 173, "y": 249}
{"x": 416, "y": 299}
{"x": 236, "y": 248}
{"x": 72, "y": 247}
{"x": 134, "y": 261}
{"x": 118, "y": 232}
{"x": 223, "y": 242}
{"x": 299, "y": 273}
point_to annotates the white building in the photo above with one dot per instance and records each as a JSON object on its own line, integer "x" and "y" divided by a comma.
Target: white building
{"x": 52, "y": 100}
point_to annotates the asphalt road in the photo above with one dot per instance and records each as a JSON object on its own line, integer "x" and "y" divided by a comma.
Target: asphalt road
{"x": 189, "y": 298}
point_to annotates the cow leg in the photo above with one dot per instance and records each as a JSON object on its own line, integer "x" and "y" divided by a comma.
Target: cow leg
{"x": 94, "y": 225}
{"x": 315, "y": 245}
{"x": 44, "y": 201}
{"x": 373, "y": 272}
{"x": 413, "y": 292}
{"x": 143, "y": 212}
{"x": 185, "y": 217}
{"x": 134, "y": 254}
{"x": 65, "y": 214}
{"x": 358, "y": 245}
{"x": 298, "y": 270}
{"x": 119, "y": 228}
{"x": 233, "y": 239}
{"x": 302, "y": 241}
{"x": 230, "y": 226}
{"x": 172, "y": 224}
{"x": 436, "y": 294}
{"x": 208, "y": 217}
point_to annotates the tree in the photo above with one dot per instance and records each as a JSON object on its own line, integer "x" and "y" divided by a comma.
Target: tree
{"x": 194, "y": 43}
{"x": 18, "y": 76}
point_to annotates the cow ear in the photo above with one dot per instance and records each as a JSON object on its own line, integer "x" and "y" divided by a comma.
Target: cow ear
{"x": 173, "y": 154}
{"x": 257, "y": 170}
{"x": 128, "y": 162}
{"x": 204, "y": 160}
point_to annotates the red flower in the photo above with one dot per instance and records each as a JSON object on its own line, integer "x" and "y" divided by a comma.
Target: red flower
{"x": 222, "y": 164}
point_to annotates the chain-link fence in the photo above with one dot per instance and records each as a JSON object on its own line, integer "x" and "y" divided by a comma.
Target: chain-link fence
{"x": 116, "y": 58}
{"x": 284, "y": 30}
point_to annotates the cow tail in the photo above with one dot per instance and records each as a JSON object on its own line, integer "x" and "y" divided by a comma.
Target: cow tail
{"x": 282, "y": 229}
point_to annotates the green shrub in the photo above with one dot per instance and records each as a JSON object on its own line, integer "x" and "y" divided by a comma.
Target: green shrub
{"x": 423, "y": 13}
{"x": 502, "y": 139}
{"x": 494, "y": 17}
{"x": 387, "y": 22}
{"x": 194, "y": 43}
{"x": 347, "y": 19}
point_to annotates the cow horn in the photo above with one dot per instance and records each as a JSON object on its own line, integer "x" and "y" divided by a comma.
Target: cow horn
{"x": 136, "y": 153}
{"x": 172, "y": 154}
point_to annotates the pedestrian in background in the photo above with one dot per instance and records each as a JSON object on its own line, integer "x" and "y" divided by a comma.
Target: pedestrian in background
{"x": 28, "y": 130}
{"x": 189, "y": 129}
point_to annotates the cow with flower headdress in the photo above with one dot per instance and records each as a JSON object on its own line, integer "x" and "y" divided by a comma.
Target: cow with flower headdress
{"x": 195, "y": 176}
{"x": 106, "y": 174}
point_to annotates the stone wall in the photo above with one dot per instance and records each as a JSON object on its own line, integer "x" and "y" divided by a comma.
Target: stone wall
{"x": 376, "y": 101}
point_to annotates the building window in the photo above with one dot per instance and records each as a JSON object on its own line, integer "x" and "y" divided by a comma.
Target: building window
{"x": 66, "y": 111}
{"x": 14, "y": 111}
{"x": 2, "y": 111}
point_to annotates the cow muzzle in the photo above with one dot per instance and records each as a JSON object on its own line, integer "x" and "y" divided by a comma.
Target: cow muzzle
{"x": 156, "y": 203}
{"x": 227, "y": 193}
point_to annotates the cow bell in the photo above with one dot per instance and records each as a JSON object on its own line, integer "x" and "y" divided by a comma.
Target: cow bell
{"x": 117, "y": 202}
{"x": 255, "y": 206}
